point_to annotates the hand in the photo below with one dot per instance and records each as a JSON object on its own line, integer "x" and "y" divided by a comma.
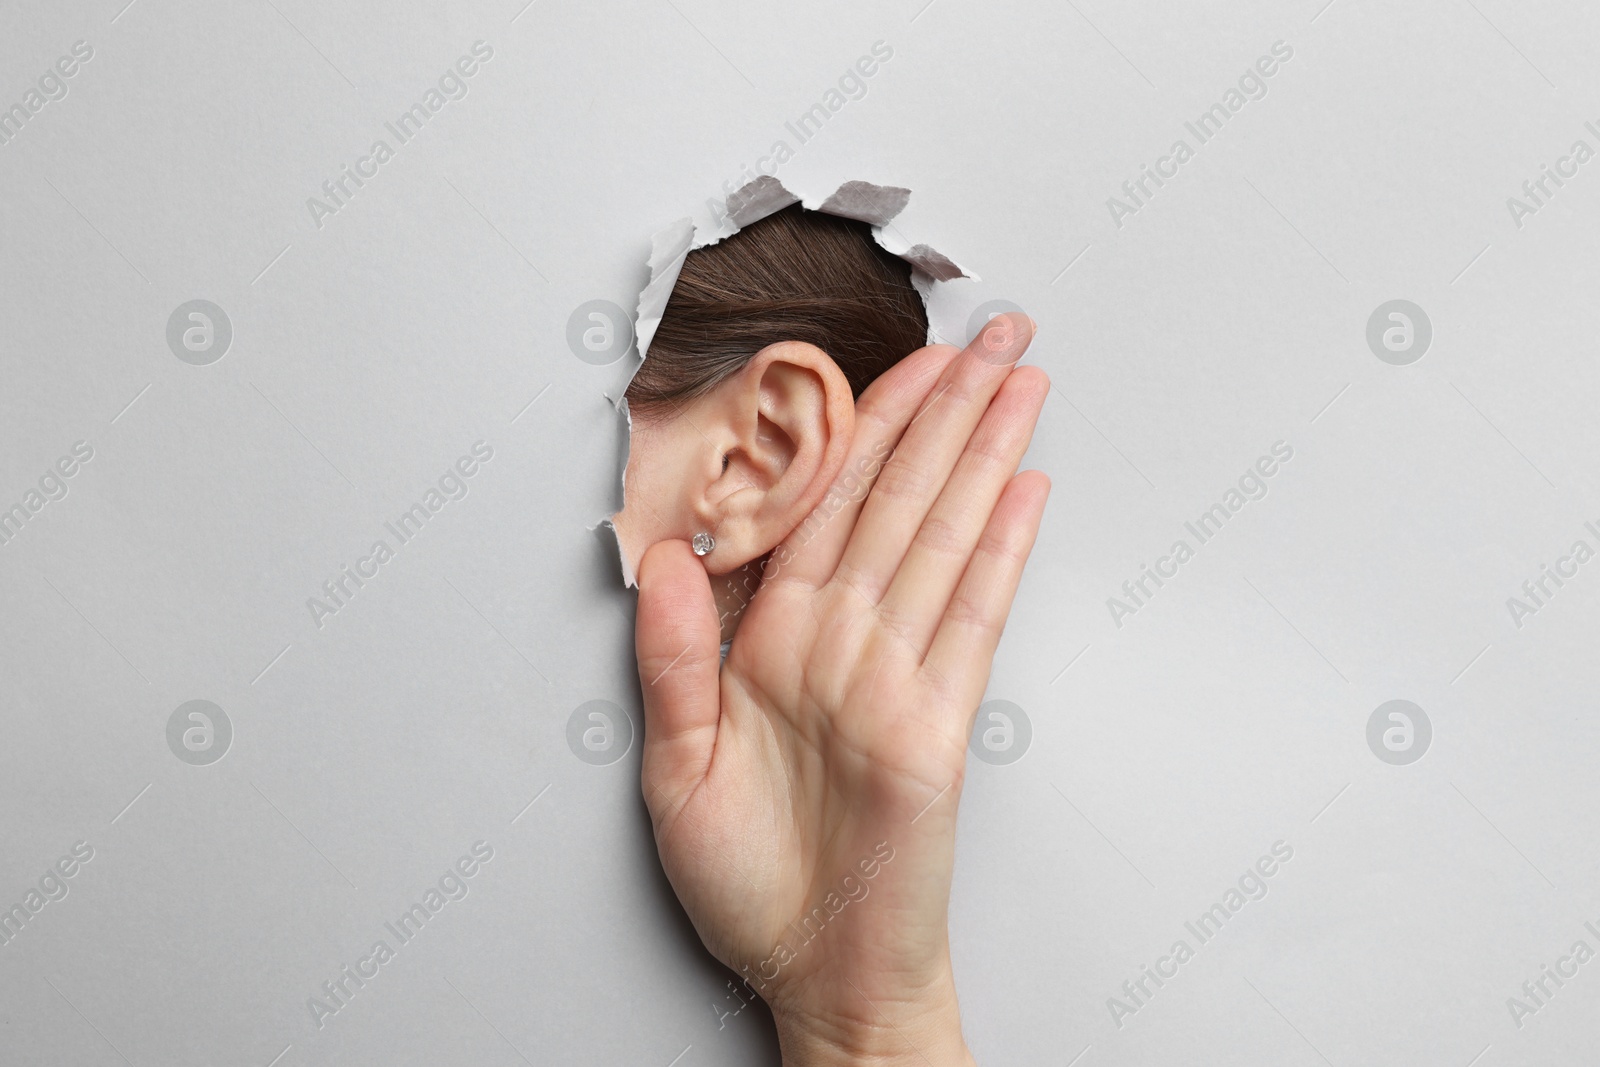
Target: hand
{"x": 804, "y": 796}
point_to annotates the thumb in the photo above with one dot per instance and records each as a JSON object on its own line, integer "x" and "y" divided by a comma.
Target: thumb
{"x": 677, "y": 638}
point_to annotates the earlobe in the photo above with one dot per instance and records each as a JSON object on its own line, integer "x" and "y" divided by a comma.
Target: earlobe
{"x": 789, "y": 417}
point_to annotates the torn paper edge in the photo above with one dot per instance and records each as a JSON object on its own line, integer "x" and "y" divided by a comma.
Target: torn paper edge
{"x": 876, "y": 205}
{"x": 628, "y": 575}
{"x": 668, "y": 249}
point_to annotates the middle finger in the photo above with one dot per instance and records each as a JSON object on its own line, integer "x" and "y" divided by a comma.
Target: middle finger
{"x": 916, "y": 473}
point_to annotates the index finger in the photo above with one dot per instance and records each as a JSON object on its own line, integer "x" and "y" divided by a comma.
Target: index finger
{"x": 810, "y": 554}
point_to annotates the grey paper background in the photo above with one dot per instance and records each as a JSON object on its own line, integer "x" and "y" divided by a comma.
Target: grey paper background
{"x": 430, "y": 712}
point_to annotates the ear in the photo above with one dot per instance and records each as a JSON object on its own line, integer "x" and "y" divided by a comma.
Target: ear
{"x": 783, "y": 425}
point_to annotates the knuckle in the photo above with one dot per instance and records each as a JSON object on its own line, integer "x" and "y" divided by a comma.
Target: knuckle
{"x": 1001, "y": 548}
{"x": 896, "y": 620}
{"x": 966, "y": 612}
{"x": 967, "y": 388}
{"x": 943, "y": 537}
{"x": 899, "y": 480}
{"x": 989, "y": 450}
{"x": 852, "y": 578}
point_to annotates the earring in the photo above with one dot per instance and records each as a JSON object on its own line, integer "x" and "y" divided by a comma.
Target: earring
{"x": 702, "y": 544}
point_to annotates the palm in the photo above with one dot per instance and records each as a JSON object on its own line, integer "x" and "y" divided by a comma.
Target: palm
{"x": 798, "y": 793}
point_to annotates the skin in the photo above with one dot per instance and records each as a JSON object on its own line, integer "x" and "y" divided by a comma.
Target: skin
{"x": 835, "y": 734}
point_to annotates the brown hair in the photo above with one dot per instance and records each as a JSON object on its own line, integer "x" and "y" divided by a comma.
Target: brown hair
{"x": 796, "y": 275}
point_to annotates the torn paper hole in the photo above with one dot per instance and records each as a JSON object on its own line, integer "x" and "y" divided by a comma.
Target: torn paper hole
{"x": 876, "y": 205}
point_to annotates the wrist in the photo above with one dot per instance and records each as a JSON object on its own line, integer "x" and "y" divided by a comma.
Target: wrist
{"x": 853, "y": 1022}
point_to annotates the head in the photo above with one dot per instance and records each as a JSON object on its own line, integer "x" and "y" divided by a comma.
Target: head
{"x": 745, "y": 405}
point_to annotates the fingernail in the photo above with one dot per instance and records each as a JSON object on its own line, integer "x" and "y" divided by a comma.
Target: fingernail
{"x": 1003, "y": 343}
